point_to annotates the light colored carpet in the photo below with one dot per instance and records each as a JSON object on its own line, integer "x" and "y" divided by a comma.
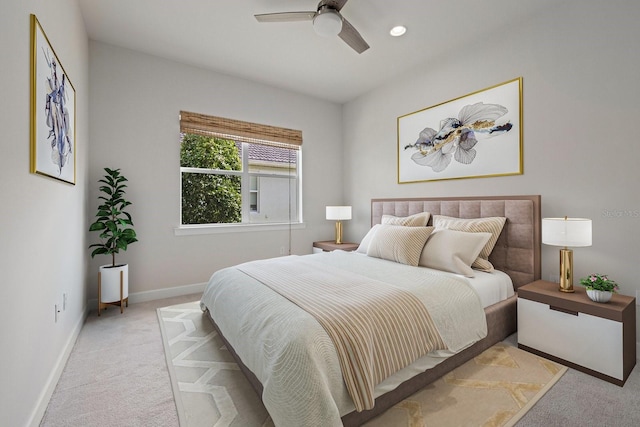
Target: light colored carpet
{"x": 140, "y": 392}
{"x": 494, "y": 389}
{"x": 116, "y": 375}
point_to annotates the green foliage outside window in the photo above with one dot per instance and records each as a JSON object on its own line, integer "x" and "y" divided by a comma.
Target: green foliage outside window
{"x": 210, "y": 198}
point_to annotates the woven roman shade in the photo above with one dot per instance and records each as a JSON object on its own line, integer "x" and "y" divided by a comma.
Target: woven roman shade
{"x": 237, "y": 130}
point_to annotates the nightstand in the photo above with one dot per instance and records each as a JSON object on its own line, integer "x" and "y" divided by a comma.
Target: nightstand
{"x": 568, "y": 328}
{"x": 331, "y": 245}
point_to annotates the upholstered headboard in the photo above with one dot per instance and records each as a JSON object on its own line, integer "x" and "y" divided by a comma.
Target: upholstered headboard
{"x": 517, "y": 251}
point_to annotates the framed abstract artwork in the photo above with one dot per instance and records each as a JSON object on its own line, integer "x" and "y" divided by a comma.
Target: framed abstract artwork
{"x": 53, "y": 111}
{"x": 475, "y": 135}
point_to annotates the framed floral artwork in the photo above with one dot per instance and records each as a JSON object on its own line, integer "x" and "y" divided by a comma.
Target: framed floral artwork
{"x": 476, "y": 135}
{"x": 53, "y": 111}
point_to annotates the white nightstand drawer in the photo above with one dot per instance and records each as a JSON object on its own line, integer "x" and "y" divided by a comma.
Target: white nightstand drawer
{"x": 589, "y": 341}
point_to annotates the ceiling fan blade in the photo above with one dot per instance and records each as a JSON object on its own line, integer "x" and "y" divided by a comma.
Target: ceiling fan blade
{"x": 352, "y": 37}
{"x": 285, "y": 16}
{"x": 335, "y": 4}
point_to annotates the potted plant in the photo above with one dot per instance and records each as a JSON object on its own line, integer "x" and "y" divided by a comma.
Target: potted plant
{"x": 599, "y": 287}
{"x": 116, "y": 234}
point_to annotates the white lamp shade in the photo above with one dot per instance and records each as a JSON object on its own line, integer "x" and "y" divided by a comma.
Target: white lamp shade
{"x": 338, "y": 213}
{"x": 566, "y": 232}
{"x": 327, "y": 23}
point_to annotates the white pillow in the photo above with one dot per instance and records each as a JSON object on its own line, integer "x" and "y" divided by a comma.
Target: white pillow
{"x": 399, "y": 243}
{"x": 416, "y": 220}
{"x": 364, "y": 244}
{"x": 491, "y": 225}
{"x": 453, "y": 251}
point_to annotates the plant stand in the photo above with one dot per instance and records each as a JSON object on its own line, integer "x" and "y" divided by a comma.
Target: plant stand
{"x": 104, "y": 305}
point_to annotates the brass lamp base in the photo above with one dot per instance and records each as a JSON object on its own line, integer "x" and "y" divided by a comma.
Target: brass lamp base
{"x": 338, "y": 232}
{"x": 566, "y": 270}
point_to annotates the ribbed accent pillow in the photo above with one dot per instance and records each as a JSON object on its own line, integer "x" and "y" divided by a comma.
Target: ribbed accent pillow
{"x": 398, "y": 243}
{"x": 491, "y": 225}
{"x": 453, "y": 251}
{"x": 416, "y": 220}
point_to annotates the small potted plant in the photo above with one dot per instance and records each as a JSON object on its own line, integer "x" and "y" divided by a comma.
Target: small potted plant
{"x": 116, "y": 234}
{"x": 599, "y": 287}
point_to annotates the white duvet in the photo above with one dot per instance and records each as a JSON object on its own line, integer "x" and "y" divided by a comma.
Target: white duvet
{"x": 294, "y": 358}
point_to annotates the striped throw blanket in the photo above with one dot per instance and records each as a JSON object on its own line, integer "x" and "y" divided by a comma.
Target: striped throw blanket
{"x": 377, "y": 329}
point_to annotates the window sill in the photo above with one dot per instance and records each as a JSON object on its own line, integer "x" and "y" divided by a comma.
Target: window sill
{"x": 191, "y": 230}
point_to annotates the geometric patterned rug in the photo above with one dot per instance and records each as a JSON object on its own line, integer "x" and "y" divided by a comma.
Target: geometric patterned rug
{"x": 208, "y": 386}
{"x": 494, "y": 389}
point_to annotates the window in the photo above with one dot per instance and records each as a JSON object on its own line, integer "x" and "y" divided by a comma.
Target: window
{"x": 253, "y": 193}
{"x": 235, "y": 172}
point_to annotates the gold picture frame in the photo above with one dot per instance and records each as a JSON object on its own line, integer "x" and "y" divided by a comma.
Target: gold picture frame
{"x": 53, "y": 111}
{"x": 472, "y": 136}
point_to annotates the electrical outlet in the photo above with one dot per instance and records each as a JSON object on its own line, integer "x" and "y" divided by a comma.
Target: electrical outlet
{"x": 57, "y": 312}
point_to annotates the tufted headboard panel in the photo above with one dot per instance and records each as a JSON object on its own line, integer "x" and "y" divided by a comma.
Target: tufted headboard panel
{"x": 517, "y": 251}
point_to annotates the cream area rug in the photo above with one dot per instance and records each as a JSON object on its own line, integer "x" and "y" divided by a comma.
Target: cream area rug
{"x": 494, "y": 389}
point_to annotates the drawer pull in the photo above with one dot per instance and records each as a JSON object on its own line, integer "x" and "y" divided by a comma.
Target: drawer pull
{"x": 563, "y": 310}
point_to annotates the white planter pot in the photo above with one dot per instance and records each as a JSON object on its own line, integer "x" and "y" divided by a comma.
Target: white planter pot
{"x": 110, "y": 282}
{"x": 599, "y": 296}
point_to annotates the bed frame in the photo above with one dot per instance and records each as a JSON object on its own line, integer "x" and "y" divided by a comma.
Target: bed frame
{"x": 517, "y": 253}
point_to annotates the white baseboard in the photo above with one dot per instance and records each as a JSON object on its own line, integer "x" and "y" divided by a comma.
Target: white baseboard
{"x": 196, "y": 288}
{"x": 56, "y": 373}
{"x": 156, "y": 294}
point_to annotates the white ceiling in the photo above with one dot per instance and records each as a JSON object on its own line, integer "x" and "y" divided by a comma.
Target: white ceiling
{"x": 225, "y": 37}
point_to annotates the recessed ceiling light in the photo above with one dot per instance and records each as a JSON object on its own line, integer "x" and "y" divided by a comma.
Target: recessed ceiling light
{"x": 398, "y": 30}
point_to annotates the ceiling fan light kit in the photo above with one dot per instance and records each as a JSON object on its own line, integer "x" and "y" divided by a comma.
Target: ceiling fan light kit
{"x": 327, "y": 22}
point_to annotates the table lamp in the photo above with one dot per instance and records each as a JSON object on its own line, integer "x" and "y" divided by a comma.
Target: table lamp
{"x": 575, "y": 232}
{"x": 338, "y": 214}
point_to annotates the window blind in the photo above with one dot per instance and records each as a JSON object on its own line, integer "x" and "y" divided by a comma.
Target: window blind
{"x": 237, "y": 130}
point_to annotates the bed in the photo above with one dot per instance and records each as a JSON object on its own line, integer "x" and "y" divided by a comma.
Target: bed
{"x": 249, "y": 308}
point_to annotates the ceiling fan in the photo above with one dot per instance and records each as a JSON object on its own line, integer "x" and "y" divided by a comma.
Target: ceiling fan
{"x": 327, "y": 21}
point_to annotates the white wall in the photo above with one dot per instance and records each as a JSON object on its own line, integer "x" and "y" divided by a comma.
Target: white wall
{"x": 44, "y": 221}
{"x": 579, "y": 65}
{"x": 135, "y": 101}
